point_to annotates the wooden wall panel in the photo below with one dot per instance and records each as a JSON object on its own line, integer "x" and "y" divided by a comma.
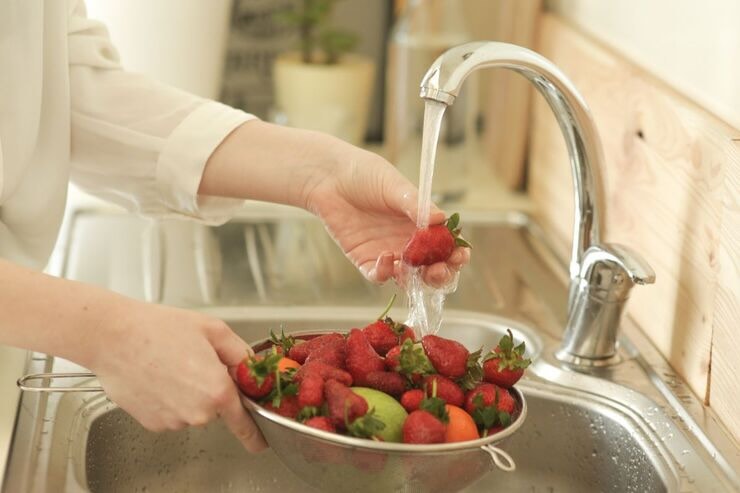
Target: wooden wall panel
{"x": 505, "y": 96}
{"x": 725, "y": 374}
{"x": 666, "y": 192}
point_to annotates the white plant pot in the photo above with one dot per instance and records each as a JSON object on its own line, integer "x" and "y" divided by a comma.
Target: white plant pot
{"x": 330, "y": 98}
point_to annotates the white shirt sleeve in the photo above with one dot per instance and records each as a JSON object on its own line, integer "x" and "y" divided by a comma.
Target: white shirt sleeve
{"x": 136, "y": 142}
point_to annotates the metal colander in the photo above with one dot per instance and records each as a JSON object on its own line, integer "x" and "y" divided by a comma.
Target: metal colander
{"x": 338, "y": 463}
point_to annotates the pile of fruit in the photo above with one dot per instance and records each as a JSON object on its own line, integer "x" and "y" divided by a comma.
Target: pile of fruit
{"x": 380, "y": 383}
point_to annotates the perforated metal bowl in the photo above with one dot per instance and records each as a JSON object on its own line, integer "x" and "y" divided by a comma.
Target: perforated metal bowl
{"x": 337, "y": 463}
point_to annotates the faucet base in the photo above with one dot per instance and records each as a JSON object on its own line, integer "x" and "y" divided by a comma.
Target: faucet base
{"x": 580, "y": 362}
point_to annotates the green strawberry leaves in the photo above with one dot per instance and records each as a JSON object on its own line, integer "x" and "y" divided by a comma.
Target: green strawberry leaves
{"x": 413, "y": 360}
{"x": 509, "y": 356}
{"x": 284, "y": 386}
{"x": 452, "y": 224}
{"x": 261, "y": 368}
{"x": 307, "y": 413}
{"x": 434, "y": 405}
{"x": 367, "y": 426}
{"x": 474, "y": 373}
{"x": 285, "y": 342}
{"x": 489, "y": 416}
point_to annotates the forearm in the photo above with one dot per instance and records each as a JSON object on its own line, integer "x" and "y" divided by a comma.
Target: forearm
{"x": 262, "y": 161}
{"x": 52, "y": 315}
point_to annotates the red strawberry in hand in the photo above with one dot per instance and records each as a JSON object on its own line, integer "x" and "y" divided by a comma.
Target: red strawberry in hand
{"x": 384, "y": 333}
{"x": 434, "y": 243}
{"x": 361, "y": 357}
{"x": 505, "y": 365}
{"x": 256, "y": 376}
{"x": 449, "y": 358}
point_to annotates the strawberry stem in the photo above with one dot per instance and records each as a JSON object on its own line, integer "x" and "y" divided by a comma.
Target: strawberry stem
{"x": 388, "y": 307}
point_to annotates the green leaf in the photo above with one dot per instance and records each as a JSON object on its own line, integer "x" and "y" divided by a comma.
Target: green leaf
{"x": 436, "y": 407}
{"x": 413, "y": 360}
{"x": 285, "y": 342}
{"x": 367, "y": 426}
{"x": 308, "y": 412}
{"x": 461, "y": 242}
{"x": 453, "y": 221}
{"x": 474, "y": 372}
{"x": 335, "y": 42}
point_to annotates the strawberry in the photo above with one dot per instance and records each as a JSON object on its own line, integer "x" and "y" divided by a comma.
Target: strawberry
{"x": 447, "y": 390}
{"x": 311, "y": 390}
{"x": 449, "y": 358}
{"x": 287, "y": 407}
{"x": 434, "y": 243}
{"x": 490, "y": 405}
{"x": 411, "y": 399}
{"x": 428, "y": 424}
{"x": 300, "y": 352}
{"x": 413, "y": 363}
{"x": 384, "y": 333}
{"x": 324, "y": 371}
{"x": 321, "y": 423}
{"x": 505, "y": 364}
{"x": 256, "y": 376}
{"x": 344, "y": 406}
{"x": 333, "y": 352}
{"x": 361, "y": 357}
{"x": 423, "y": 427}
{"x": 389, "y": 382}
{"x": 392, "y": 358}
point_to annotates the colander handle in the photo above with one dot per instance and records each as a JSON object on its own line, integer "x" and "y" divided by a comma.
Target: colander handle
{"x": 23, "y": 383}
{"x": 501, "y": 459}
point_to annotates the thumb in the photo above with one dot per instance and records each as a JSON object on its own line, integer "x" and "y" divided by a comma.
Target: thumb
{"x": 230, "y": 348}
{"x": 403, "y": 197}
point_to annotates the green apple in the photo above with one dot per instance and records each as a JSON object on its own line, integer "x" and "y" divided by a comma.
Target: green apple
{"x": 387, "y": 409}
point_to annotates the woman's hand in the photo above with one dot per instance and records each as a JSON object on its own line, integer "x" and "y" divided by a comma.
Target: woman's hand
{"x": 368, "y": 207}
{"x": 370, "y": 210}
{"x": 169, "y": 368}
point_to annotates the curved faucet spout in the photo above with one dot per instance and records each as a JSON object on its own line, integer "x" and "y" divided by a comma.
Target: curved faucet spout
{"x": 444, "y": 80}
{"x": 595, "y": 303}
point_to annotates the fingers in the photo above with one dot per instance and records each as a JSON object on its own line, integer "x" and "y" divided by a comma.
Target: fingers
{"x": 241, "y": 425}
{"x": 438, "y": 275}
{"x": 230, "y": 348}
{"x": 460, "y": 257}
{"x": 381, "y": 270}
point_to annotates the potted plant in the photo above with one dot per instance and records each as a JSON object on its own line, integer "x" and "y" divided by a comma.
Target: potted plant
{"x": 323, "y": 86}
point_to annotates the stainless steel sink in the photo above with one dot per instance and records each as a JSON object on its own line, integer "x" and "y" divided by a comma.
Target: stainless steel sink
{"x": 632, "y": 427}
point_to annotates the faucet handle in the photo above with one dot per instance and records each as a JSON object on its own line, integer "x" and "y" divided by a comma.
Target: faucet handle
{"x": 613, "y": 255}
{"x": 607, "y": 274}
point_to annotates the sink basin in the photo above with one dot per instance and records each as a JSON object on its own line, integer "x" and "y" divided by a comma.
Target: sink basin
{"x": 597, "y": 451}
{"x": 571, "y": 441}
{"x": 617, "y": 429}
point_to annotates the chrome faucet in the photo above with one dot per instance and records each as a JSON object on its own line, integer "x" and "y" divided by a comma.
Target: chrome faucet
{"x": 601, "y": 275}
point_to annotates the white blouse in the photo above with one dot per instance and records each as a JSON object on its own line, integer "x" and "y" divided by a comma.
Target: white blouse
{"x": 69, "y": 111}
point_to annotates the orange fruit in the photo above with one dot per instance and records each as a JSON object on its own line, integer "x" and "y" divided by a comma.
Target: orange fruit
{"x": 461, "y": 426}
{"x": 286, "y": 363}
